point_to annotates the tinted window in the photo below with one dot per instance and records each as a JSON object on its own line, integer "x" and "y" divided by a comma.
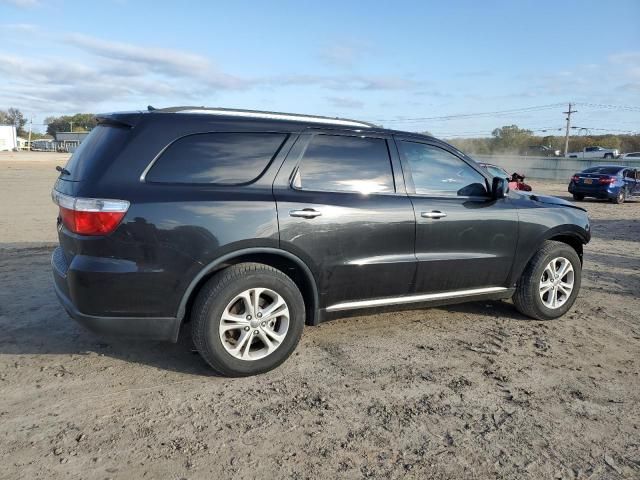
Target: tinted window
{"x": 220, "y": 158}
{"x": 603, "y": 170}
{"x": 101, "y": 146}
{"x": 438, "y": 172}
{"x": 346, "y": 164}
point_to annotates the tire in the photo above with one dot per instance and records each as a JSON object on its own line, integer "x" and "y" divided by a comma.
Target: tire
{"x": 578, "y": 197}
{"x": 528, "y": 298}
{"x": 222, "y": 294}
{"x": 620, "y": 198}
{"x": 608, "y": 155}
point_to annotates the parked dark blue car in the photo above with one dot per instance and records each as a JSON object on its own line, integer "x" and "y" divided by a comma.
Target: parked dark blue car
{"x": 611, "y": 182}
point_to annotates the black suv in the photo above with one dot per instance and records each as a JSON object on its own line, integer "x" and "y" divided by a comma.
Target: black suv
{"x": 253, "y": 224}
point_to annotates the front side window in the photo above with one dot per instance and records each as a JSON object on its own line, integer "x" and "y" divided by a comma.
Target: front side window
{"x": 216, "y": 158}
{"x": 438, "y": 172}
{"x": 345, "y": 164}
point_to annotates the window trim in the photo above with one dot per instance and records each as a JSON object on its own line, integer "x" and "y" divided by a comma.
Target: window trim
{"x": 145, "y": 172}
{"x": 336, "y": 133}
{"x": 410, "y": 185}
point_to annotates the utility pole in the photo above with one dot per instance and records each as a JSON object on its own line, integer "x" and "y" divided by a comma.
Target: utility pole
{"x": 30, "y": 127}
{"x": 566, "y": 136}
{"x": 72, "y": 122}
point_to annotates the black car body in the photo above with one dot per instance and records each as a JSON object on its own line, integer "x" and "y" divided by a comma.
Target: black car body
{"x": 356, "y": 216}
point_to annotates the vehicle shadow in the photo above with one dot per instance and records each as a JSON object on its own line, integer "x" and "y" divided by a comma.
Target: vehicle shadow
{"x": 32, "y": 322}
{"x": 488, "y": 308}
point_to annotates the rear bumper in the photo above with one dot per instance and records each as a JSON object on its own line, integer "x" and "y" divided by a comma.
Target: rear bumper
{"x": 604, "y": 192}
{"x": 151, "y": 328}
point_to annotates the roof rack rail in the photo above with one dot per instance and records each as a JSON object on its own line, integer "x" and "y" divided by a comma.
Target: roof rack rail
{"x": 296, "y": 117}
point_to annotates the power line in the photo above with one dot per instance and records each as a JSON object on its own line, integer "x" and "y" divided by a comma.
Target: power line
{"x": 515, "y": 111}
{"x": 629, "y": 108}
{"x": 472, "y": 115}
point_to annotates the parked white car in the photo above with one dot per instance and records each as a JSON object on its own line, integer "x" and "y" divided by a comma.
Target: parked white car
{"x": 631, "y": 155}
{"x": 595, "y": 152}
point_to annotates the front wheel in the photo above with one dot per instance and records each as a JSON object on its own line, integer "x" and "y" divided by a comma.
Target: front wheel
{"x": 620, "y": 198}
{"x": 550, "y": 283}
{"x": 247, "y": 319}
{"x": 608, "y": 155}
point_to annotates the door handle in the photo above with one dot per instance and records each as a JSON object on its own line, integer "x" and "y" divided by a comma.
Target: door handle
{"x": 305, "y": 213}
{"x": 433, "y": 214}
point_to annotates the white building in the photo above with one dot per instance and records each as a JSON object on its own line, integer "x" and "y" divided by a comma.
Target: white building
{"x": 8, "y": 138}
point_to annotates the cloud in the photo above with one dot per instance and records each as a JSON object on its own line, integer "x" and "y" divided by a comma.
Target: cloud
{"x": 21, "y": 28}
{"x": 22, "y": 3}
{"x": 343, "y": 102}
{"x": 86, "y": 73}
{"x": 157, "y": 59}
{"x": 343, "y": 54}
{"x": 346, "y": 82}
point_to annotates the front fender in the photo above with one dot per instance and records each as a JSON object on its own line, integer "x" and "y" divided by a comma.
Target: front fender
{"x": 539, "y": 225}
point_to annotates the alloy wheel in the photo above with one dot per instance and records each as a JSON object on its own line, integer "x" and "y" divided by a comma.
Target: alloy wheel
{"x": 556, "y": 283}
{"x": 254, "y": 324}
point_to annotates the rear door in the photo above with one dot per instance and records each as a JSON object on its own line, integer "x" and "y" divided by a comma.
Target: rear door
{"x": 464, "y": 238}
{"x": 630, "y": 177}
{"x": 343, "y": 209}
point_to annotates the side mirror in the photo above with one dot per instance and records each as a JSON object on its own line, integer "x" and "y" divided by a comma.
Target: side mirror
{"x": 499, "y": 187}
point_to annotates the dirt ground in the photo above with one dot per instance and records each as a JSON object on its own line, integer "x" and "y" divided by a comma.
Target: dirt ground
{"x": 469, "y": 391}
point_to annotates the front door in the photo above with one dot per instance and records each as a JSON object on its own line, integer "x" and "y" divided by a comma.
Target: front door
{"x": 343, "y": 209}
{"x": 465, "y": 240}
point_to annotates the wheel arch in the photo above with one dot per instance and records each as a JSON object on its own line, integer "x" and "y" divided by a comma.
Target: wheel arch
{"x": 286, "y": 262}
{"x": 568, "y": 234}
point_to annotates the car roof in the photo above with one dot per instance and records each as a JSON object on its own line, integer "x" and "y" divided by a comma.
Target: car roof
{"x": 291, "y": 119}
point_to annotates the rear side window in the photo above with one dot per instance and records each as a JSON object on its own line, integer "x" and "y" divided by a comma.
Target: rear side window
{"x": 216, "y": 158}
{"x": 345, "y": 164}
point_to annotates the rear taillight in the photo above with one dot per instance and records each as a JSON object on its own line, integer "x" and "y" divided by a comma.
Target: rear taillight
{"x": 607, "y": 180}
{"x": 90, "y": 216}
{"x": 575, "y": 178}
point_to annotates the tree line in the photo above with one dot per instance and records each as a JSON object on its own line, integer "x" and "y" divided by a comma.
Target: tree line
{"x": 511, "y": 139}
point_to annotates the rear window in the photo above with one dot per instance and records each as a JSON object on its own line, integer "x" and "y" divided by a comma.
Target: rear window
{"x": 101, "y": 145}
{"x": 603, "y": 170}
{"x": 216, "y": 158}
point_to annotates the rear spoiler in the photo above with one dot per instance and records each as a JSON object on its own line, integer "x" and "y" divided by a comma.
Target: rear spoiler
{"x": 119, "y": 119}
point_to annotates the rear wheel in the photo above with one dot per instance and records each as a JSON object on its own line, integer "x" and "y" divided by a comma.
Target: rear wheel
{"x": 247, "y": 319}
{"x": 578, "y": 197}
{"x": 621, "y": 197}
{"x": 550, "y": 283}
{"x": 608, "y": 155}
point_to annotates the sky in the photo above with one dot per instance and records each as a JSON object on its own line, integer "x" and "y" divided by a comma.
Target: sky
{"x": 401, "y": 64}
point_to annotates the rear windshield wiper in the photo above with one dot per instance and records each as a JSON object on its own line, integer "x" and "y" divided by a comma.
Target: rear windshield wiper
{"x": 63, "y": 170}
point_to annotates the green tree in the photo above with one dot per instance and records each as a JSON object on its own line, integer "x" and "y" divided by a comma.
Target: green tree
{"x": 511, "y": 138}
{"x": 80, "y": 122}
{"x": 14, "y": 117}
